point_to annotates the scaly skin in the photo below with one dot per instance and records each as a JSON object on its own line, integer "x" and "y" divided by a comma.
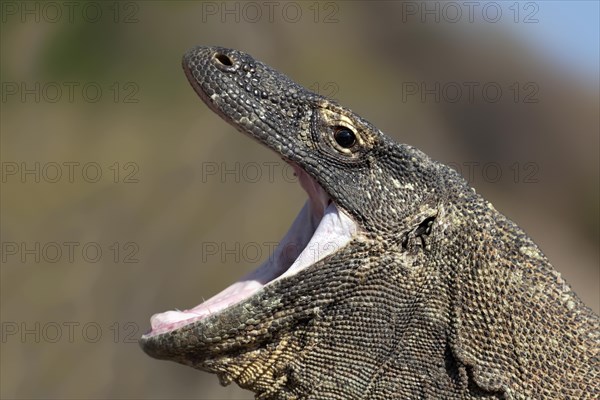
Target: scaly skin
{"x": 437, "y": 296}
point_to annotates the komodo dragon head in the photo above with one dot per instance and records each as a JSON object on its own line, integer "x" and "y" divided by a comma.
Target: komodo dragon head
{"x": 396, "y": 280}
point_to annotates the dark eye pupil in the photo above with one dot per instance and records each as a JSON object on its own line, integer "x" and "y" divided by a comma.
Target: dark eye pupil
{"x": 345, "y": 137}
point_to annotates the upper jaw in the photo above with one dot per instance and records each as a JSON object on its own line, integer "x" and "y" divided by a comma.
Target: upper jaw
{"x": 257, "y": 100}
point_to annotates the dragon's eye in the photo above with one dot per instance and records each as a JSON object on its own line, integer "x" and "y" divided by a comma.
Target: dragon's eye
{"x": 344, "y": 137}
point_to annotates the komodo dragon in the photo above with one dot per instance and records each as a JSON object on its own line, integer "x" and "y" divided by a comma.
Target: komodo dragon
{"x": 395, "y": 281}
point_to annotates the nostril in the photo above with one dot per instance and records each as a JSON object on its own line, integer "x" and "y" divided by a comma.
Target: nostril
{"x": 223, "y": 59}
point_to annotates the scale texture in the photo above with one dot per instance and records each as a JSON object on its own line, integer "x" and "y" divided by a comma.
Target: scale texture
{"x": 438, "y": 295}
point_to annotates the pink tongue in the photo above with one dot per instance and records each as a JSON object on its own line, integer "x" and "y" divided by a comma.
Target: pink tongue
{"x": 228, "y": 297}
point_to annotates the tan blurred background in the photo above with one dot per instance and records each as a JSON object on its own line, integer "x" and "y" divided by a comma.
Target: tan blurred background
{"x": 126, "y": 161}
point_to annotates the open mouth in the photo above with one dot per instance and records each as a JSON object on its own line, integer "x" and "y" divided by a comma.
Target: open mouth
{"x": 320, "y": 229}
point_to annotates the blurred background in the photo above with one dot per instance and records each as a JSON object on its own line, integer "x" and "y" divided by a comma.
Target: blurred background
{"x": 122, "y": 195}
